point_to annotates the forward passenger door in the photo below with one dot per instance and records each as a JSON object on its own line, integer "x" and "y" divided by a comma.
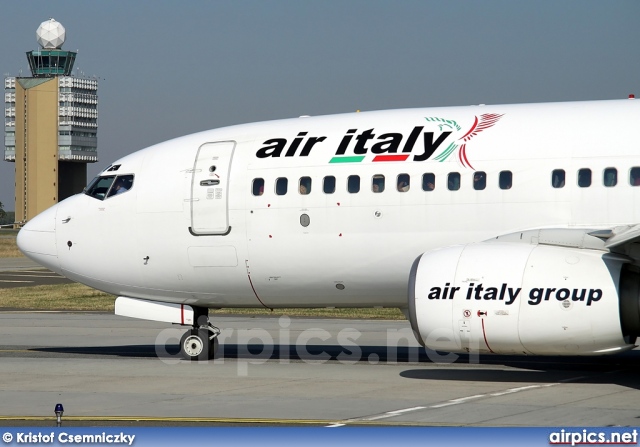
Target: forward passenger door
{"x": 209, "y": 189}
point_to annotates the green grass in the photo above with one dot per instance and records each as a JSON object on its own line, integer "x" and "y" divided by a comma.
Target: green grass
{"x": 78, "y": 297}
{"x": 8, "y": 247}
{"x": 354, "y": 313}
{"x": 56, "y": 297}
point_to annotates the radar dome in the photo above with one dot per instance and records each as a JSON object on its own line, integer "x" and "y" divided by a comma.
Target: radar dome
{"x": 51, "y": 34}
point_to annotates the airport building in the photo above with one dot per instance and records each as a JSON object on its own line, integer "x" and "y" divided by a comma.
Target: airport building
{"x": 51, "y": 124}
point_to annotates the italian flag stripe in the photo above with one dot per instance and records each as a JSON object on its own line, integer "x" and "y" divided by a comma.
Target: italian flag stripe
{"x": 357, "y": 159}
{"x": 391, "y": 157}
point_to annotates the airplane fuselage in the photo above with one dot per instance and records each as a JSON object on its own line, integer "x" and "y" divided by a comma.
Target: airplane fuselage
{"x": 333, "y": 211}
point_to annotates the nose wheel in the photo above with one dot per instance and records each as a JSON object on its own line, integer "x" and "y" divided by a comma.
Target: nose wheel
{"x": 200, "y": 343}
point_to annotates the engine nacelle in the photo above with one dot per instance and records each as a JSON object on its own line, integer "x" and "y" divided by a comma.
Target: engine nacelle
{"x": 515, "y": 298}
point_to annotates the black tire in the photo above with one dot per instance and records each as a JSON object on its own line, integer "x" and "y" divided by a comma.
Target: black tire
{"x": 213, "y": 348}
{"x": 195, "y": 345}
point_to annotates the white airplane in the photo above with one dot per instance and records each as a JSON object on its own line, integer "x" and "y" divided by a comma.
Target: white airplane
{"x": 507, "y": 229}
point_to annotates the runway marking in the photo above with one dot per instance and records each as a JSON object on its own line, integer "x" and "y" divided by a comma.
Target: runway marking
{"x": 522, "y": 388}
{"x": 390, "y": 414}
{"x": 376, "y": 417}
{"x": 458, "y": 401}
{"x": 406, "y": 410}
{"x": 505, "y": 392}
{"x": 13, "y": 280}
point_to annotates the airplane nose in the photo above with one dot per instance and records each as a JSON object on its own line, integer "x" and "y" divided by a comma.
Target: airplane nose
{"x": 37, "y": 239}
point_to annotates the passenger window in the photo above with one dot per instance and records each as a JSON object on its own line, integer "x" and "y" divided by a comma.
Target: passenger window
{"x": 258, "y": 186}
{"x": 353, "y": 184}
{"x": 505, "y": 180}
{"x": 404, "y": 182}
{"x": 610, "y": 177}
{"x": 281, "y": 186}
{"x": 123, "y": 183}
{"x": 377, "y": 184}
{"x": 584, "y": 178}
{"x": 557, "y": 178}
{"x": 305, "y": 185}
{"x": 428, "y": 182}
{"x": 329, "y": 184}
{"x": 479, "y": 180}
{"x": 99, "y": 186}
{"x": 453, "y": 181}
{"x": 634, "y": 176}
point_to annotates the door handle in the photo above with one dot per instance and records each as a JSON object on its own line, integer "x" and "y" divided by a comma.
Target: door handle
{"x": 209, "y": 182}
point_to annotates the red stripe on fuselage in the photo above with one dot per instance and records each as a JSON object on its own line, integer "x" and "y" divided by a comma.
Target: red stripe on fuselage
{"x": 391, "y": 157}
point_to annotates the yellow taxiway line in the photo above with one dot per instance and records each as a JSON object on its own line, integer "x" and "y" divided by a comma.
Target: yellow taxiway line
{"x": 165, "y": 419}
{"x": 204, "y": 420}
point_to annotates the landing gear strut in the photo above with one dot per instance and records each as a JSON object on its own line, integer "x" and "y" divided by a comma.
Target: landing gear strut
{"x": 201, "y": 341}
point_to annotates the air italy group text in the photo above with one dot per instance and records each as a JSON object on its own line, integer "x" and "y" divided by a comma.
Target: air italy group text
{"x": 508, "y": 295}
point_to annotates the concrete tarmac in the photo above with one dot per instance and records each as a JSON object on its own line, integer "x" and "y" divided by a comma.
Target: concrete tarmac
{"x": 8, "y": 264}
{"x": 23, "y": 272}
{"x": 112, "y": 370}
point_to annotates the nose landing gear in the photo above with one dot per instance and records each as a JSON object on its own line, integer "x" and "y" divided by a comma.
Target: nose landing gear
{"x": 200, "y": 343}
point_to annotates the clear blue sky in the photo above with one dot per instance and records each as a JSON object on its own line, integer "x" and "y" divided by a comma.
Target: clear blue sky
{"x": 171, "y": 68}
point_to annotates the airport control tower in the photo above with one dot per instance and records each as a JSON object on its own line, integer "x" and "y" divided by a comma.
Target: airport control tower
{"x": 51, "y": 124}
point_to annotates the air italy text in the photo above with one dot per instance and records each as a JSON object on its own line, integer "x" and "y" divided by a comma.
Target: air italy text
{"x": 363, "y": 142}
{"x": 509, "y": 295}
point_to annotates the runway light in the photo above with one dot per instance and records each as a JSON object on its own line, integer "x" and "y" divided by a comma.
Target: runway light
{"x": 59, "y": 412}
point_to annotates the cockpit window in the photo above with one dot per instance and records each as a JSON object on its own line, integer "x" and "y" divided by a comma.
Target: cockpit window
{"x": 122, "y": 184}
{"x": 107, "y": 186}
{"x": 99, "y": 187}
